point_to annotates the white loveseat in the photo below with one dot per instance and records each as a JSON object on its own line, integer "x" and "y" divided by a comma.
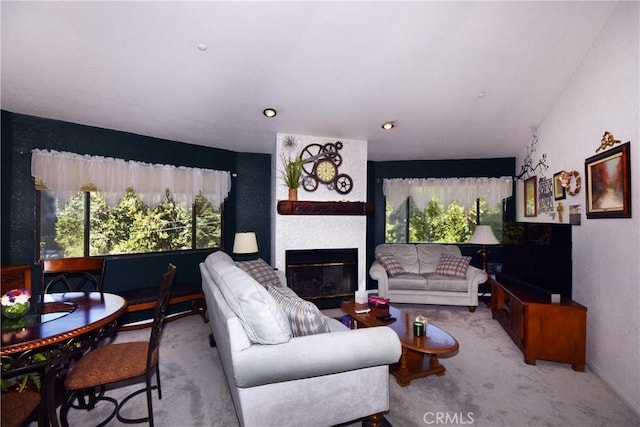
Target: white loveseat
{"x": 322, "y": 379}
{"x": 418, "y": 281}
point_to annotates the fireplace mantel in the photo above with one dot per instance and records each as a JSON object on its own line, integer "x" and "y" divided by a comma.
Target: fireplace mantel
{"x": 289, "y": 207}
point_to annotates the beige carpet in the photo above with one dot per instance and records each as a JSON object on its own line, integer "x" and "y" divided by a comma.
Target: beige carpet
{"x": 486, "y": 383}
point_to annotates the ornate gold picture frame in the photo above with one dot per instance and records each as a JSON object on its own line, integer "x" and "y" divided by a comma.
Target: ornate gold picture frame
{"x": 608, "y": 177}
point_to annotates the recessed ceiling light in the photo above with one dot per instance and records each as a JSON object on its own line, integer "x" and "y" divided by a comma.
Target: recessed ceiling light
{"x": 388, "y": 125}
{"x": 270, "y": 112}
{"x": 202, "y": 47}
{"x": 481, "y": 95}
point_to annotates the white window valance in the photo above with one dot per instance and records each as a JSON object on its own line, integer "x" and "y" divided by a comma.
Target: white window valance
{"x": 462, "y": 190}
{"x": 67, "y": 173}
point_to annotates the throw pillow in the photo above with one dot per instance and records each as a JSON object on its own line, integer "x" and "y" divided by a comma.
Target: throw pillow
{"x": 304, "y": 317}
{"x": 261, "y": 317}
{"x": 391, "y": 264}
{"x": 261, "y": 271}
{"x": 451, "y": 265}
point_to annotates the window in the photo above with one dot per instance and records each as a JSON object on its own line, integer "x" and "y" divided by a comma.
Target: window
{"x": 129, "y": 227}
{"x": 438, "y": 223}
{"x": 91, "y": 205}
{"x": 443, "y": 210}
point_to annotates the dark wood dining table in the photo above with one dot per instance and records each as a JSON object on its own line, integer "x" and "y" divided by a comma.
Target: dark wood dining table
{"x": 58, "y": 327}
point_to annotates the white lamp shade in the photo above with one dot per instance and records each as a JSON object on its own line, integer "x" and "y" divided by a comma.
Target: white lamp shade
{"x": 245, "y": 243}
{"x": 483, "y": 235}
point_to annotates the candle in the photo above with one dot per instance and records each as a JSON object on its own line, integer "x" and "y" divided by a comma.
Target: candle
{"x": 418, "y": 329}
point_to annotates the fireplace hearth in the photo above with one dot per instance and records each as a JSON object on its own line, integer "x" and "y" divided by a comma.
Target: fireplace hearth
{"x": 324, "y": 276}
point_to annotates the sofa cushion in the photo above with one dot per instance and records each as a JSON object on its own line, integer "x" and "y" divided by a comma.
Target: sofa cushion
{"x": 439, "y": 282}
{"x": 262, "y": 318}
{"x": 391, "y": 264}
{"x": 216, "y": 263}
{"x": 261, "y": 271}
{"x": 304, "y": 317}
{"x": 450, "y": 265}
{"x": 408, "y": 281}
{"x": 429, "y": 255}
{"x": 405, "y": 254}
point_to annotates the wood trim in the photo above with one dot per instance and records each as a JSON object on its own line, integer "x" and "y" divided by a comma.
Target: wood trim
{"x": 290, "y": 207}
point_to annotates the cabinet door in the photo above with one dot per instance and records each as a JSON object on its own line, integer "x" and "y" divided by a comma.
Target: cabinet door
{"x": 517, "y": 322}
{"x": 557, "y": 333}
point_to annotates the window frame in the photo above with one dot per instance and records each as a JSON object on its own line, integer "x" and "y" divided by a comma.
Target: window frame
{"x": 407, "y": 220}
{"x": 87, "y": 227}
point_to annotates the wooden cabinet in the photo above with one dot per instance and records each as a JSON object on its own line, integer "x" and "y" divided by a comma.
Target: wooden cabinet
{"x": 541, "y": 329}
{"x": 15, "y": 276}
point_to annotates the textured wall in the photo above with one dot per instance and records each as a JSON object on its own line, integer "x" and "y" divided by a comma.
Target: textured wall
{"x": 603, "y": 94}
{"x": 321, "y": 231}
{"x": 253, "y": 203}
{"x": 20, "y": 134}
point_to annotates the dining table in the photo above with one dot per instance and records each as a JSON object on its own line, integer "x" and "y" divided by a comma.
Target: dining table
{"x": 58, "y": 328}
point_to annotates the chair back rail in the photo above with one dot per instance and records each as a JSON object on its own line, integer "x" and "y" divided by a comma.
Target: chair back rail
{"x": 73, "y": 274}
{"x": 164, "y": 292}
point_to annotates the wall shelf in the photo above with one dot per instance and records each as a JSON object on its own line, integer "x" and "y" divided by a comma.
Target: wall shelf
{"x": 289, "y": 207}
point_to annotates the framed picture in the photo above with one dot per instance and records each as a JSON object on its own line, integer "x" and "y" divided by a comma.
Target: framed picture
{"x": 608, "y": 178}
{"x": 531, "y": 196}
{"x": 559, "y": 192}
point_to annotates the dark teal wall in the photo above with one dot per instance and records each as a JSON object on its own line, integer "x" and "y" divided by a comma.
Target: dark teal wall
{"x": 246, "y": 209}
{"x": 253, "y": 204}
{"x": 21, "y": 134}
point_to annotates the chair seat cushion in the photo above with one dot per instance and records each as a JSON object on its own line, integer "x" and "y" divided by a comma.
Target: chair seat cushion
{"x": 108, "y": 364}
{"x": 17, "y": 407}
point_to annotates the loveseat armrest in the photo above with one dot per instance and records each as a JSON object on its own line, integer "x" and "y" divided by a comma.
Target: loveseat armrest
{"x": 315, "y": 355}
{"x": 377, "y": 272}
{"x": 474, "y": 277}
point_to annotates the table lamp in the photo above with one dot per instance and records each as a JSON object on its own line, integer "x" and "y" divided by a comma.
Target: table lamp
{"x": 483, "y": 235}
{"x": 245, "y": 244}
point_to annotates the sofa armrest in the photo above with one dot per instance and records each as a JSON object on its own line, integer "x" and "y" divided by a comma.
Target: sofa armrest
{"x": 315, "y": 355}
{"x": 475, "y": 276}
{"x": 377, "y": 272}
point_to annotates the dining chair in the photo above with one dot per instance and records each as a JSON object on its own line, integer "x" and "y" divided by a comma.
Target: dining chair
{"x": 17, "y": 408}
{"x": 113, "y": 363}
{"x": 72, "y": 274}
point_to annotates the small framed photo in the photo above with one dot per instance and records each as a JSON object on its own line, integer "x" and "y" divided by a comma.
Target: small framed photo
{"x": 608, "y": 178}
{"x": 559, "y": 192}
{"x": 531, "y": 196}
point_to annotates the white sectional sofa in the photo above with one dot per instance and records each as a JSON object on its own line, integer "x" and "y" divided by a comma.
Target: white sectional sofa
{"x": 415, "y": 274}
{"x": 321, "y": 379}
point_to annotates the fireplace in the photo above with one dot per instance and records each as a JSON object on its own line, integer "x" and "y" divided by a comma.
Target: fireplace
{"x": 324, "y": 276}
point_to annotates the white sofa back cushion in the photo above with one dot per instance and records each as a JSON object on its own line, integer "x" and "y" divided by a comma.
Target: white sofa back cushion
{"x": 406, "y": 255}
{"x": 429, "y": 255}
{"x": 216, "y": 263}
{"x": 262, "y": 318}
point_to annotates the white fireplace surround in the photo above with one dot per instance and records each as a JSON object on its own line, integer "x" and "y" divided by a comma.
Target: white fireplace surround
{"x": 290, "y": 232}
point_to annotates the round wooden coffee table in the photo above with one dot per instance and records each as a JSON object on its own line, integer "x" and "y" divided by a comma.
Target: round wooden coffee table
{"x": 419, "y": 354}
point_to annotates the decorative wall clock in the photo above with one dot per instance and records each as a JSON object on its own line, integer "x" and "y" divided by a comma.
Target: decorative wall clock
{"x": 320, "y": 164}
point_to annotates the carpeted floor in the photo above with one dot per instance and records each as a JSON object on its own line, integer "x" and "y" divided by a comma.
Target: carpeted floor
{"x": 486, "y": 383}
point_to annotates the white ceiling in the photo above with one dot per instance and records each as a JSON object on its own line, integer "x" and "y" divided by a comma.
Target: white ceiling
{"x": 334, "y": 69}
